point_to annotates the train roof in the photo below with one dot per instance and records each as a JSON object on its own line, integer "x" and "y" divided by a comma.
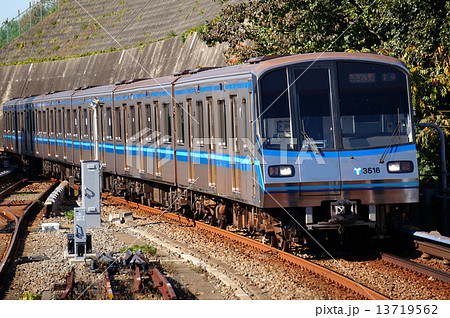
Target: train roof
{"x": 256, "y": 67}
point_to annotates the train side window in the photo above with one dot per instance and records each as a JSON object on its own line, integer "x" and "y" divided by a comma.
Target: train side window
{"x": 85, "y": 124}
{"x": 200, "y": 123}
{"x": 38, "y": 123}
{"x": 52, "y": 122}
{"x": 118, "y": 126}
{"x": 133, "y": 122}
{"x": 44, "y": 122}
{"x": 62, "y": 125}
{"x": 75, "y": 123}
{"x": 167, "y": 138}
{"x": 140, "y": 116}
{"x": 108, "y": 124}
{"x": 148, "y": 123}
{"x": 180, "y": 123}
{"x": 69, "y": 123}
{"x": 243, "y": 116}
{"x": 59, "y": 122}
{"x": 222, "y": 123}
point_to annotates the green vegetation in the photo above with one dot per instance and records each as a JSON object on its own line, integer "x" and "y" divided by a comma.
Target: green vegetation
{"x": 30, "y": 296}
{"x": 416, "y": 31}
{"x": 32, "y": 16}
{"x": 185, "y": 34}
{"x": 146, "y": 249}
{"x": 69, "y": 214}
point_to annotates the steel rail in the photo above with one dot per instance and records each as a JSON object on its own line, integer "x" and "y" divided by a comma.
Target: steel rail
{"x": 19, "y": 222}
{"x": 437, "y": 250}
{"x": 163, "y": 285}
{"x": 419, "y": 268}
{"x": 110, "y": 293}
{"x": 69, "y": 284}
{"x": 324, "y": 272}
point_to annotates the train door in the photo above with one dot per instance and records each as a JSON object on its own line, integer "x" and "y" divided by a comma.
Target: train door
{"x": 52, "y": 137}
{"x": 76, "y": 135}
{"x": 46, "y": 131}
{"x": 158, "y": 131}
{"x": 190, "y": 137}
{"x": 84, "y": 137}
{"x": 235, "y": 146}
{"x": 318, "y": 163}
{"x": 182, "y": 122}
{"x": 125, "y": 139}
{"x": 147, "y": 165}
{"x": 200, "y": 152}
{"x": 211, "y": 150}
{"x": 19, "y": 130}
{"x": 140, "y": 137}
{"x": 68, "y": 135}
{"x": 60, "y": 133}
{"x": 16, "y": 128}
{"x": 101, "y": 133}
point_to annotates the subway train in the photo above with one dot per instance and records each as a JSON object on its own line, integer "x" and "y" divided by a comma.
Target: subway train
{"x": 281, "y": 145}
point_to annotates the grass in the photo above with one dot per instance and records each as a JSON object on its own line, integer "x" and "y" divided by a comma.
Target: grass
{"x": 69, "y": 214}
{"x": 146, "y": 249}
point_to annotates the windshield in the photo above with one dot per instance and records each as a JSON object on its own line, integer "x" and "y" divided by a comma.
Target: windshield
{"x": 367, "y": 107}
{"x": 373, "y": 104}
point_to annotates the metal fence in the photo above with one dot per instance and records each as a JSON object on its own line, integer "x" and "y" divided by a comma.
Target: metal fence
{"x": 27, "y": 19}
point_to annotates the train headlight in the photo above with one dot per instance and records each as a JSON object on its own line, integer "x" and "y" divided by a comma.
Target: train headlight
{"x": 400, "y": 166}
{"x": 281, "y": 171}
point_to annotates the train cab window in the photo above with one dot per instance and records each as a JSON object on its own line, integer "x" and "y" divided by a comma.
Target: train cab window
{"x": 167, "y": 120}
{"x": 200, "y": 124}
{"x": 222, "y": 123}
{"x": 275, "y": 113}
{"x": 180, "y": 123}
{"x": 312, "y": 97}
{"x": 374, "y": 105}
{"x": 108, "y": 123}
{"x": 118, "y": 126}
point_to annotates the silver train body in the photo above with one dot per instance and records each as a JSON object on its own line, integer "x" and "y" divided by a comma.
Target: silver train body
{"x": 278, "y": 145}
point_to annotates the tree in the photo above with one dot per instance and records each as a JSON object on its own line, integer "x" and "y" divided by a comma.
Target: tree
{"x": 416, "y": 31}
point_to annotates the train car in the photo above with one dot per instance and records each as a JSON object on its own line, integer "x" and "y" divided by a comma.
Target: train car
{"x": 279, "y": 145}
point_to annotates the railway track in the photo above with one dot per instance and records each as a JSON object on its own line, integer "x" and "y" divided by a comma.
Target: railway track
{"x": 416, "y": 267}
{"x": 17, "y": 203}
{"x": 339, "y": 279}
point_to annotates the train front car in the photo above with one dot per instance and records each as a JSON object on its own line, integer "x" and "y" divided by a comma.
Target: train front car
{"x": 336, "y": 139}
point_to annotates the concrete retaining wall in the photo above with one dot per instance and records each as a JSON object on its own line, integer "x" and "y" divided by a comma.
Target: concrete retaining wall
{"x": 154, "y": 60}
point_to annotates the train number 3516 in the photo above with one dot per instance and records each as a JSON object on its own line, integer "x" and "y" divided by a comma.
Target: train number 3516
{"x": 358, "y": 171}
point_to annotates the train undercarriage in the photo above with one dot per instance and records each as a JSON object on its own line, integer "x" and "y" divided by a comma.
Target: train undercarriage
{"x": 335, "y": 221}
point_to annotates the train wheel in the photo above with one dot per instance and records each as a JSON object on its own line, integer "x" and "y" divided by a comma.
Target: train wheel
{"x": 273, "y": 241}
{"x": 285, "y": 245}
